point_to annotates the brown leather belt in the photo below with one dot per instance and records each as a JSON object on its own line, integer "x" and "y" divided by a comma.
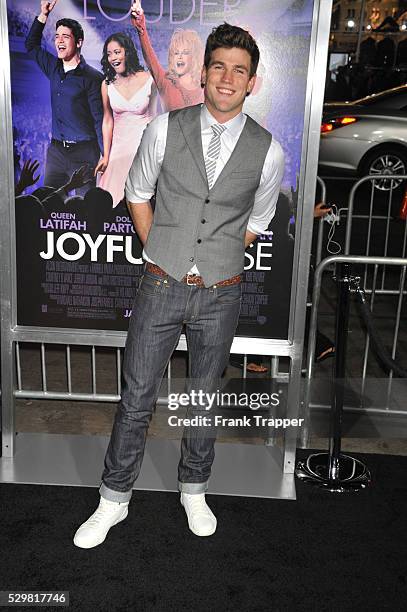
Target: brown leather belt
{"x": 194, "y": 279}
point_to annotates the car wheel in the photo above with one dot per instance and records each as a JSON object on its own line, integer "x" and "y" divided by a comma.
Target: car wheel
{"x": 389, "y": 161}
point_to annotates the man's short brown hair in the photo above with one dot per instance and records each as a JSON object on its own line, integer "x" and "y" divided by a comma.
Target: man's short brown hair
{"x": 229, "y": 36}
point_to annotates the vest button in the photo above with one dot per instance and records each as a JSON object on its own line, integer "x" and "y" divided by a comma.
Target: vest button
{"x": 203, "y": 220}
{"x": 199, "y": 241}
{"x": 207, "y": 201}
{"x": 191, "y": 259}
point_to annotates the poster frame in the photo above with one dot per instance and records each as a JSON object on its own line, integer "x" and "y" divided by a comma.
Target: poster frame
{"x": 292, "y": 347}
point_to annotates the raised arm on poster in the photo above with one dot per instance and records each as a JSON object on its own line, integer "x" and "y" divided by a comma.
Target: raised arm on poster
{"x": 129, "y": 99}
{"x": 79, "y": 178}
{"x": 180, "y": 86}
{"x": 46, "y": 8}
{"x": 76, "y": 103}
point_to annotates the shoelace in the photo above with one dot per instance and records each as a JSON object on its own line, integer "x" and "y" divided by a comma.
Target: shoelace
{"x": 102, "y": 512}
{"x": 198, "y": 505}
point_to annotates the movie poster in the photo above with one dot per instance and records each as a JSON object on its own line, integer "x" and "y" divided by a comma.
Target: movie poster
{"x": 79, "y": 260}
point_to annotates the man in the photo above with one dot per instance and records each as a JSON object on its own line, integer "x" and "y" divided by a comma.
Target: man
{"x": 76, "y": 102}
{"x": 218, "y": 175}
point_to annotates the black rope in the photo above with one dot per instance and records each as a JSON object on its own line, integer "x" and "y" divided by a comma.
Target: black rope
{"x": 377, "y": 345}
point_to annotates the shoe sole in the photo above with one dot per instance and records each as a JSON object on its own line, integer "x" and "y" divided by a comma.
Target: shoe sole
{"x": 101, "y": 541}
{"x": 200, "y": 535}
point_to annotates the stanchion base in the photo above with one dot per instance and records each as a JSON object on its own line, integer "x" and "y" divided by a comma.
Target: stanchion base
{"x": 353, "y": 474}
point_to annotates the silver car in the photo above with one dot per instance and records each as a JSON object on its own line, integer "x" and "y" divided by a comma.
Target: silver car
{"x": 367, "y": 136}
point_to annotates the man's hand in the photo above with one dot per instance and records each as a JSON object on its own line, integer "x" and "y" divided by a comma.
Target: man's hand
{"x": 138, "y": 19}
{"x": 27, "y": 177}
{"x": 79, "y": 178}
{"x": 249, "y": 238}
{"x": 102, "y": 165}
{"x": 46, "y": 8}
{"x": 320, "y": 210}
{"x": 27, "y": 173}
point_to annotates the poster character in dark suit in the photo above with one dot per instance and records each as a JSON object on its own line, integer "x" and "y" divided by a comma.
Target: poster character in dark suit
{"x": 75, "y": 99}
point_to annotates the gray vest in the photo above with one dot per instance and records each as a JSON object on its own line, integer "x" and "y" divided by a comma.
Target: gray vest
{"x": 194, "y": 224}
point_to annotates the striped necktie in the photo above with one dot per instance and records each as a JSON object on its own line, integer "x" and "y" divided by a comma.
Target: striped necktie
{"x": 213, "y": 152}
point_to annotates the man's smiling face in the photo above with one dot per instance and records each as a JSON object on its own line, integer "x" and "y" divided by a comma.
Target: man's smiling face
{"x": 227, "y": 82}
{"x": 65, "y": 44}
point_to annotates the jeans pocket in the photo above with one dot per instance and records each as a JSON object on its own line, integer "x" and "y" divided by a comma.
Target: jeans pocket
{"x": 150, "y": 285}
{"x": 229, "y": 294}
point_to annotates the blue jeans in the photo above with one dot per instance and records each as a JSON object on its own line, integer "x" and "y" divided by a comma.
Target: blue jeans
{"x": 161, "y": 309}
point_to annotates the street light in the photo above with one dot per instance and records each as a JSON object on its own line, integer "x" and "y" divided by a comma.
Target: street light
{"x": 351, "y": 24}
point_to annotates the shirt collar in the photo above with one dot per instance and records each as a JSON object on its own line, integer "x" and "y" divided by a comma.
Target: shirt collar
{"x": 234, "y": 126}
{"x": 79, "y": 67}
{"x": 82, "y": 62}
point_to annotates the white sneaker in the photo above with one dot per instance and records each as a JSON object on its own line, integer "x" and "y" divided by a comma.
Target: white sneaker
{"x": 201, "y": 520}
{"x": 94, "y": 531}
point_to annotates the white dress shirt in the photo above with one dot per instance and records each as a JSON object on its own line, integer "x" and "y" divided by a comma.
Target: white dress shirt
{"x": 144, "y": 172}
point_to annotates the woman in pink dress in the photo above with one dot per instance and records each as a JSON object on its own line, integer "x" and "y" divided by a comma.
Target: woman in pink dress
{"x": 129, "y": 103}
{"x": 180, "y": 86}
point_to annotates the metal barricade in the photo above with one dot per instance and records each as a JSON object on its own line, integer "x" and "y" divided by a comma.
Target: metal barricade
{"x": 366, "y": 262}
{"x": 378, "y": 216}
{"x": 36, "y": 379}
{"x": 394, "y": 242}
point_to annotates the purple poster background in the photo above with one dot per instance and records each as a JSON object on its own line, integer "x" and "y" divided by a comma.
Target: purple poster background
{"x": 79, "y": 266}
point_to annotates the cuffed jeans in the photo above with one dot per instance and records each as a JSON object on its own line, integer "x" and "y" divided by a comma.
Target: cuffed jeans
{"x": 161, "y": 308}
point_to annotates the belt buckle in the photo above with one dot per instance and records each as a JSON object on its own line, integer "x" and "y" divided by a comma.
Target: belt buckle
{"x": 190, "y": 276}
{"x": 68, "y": 143}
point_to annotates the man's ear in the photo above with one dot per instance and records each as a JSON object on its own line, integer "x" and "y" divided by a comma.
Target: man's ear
{"x": 203, "y": 76}
{"x": 251, "y": 84}
{"x": 79, "y": 44}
